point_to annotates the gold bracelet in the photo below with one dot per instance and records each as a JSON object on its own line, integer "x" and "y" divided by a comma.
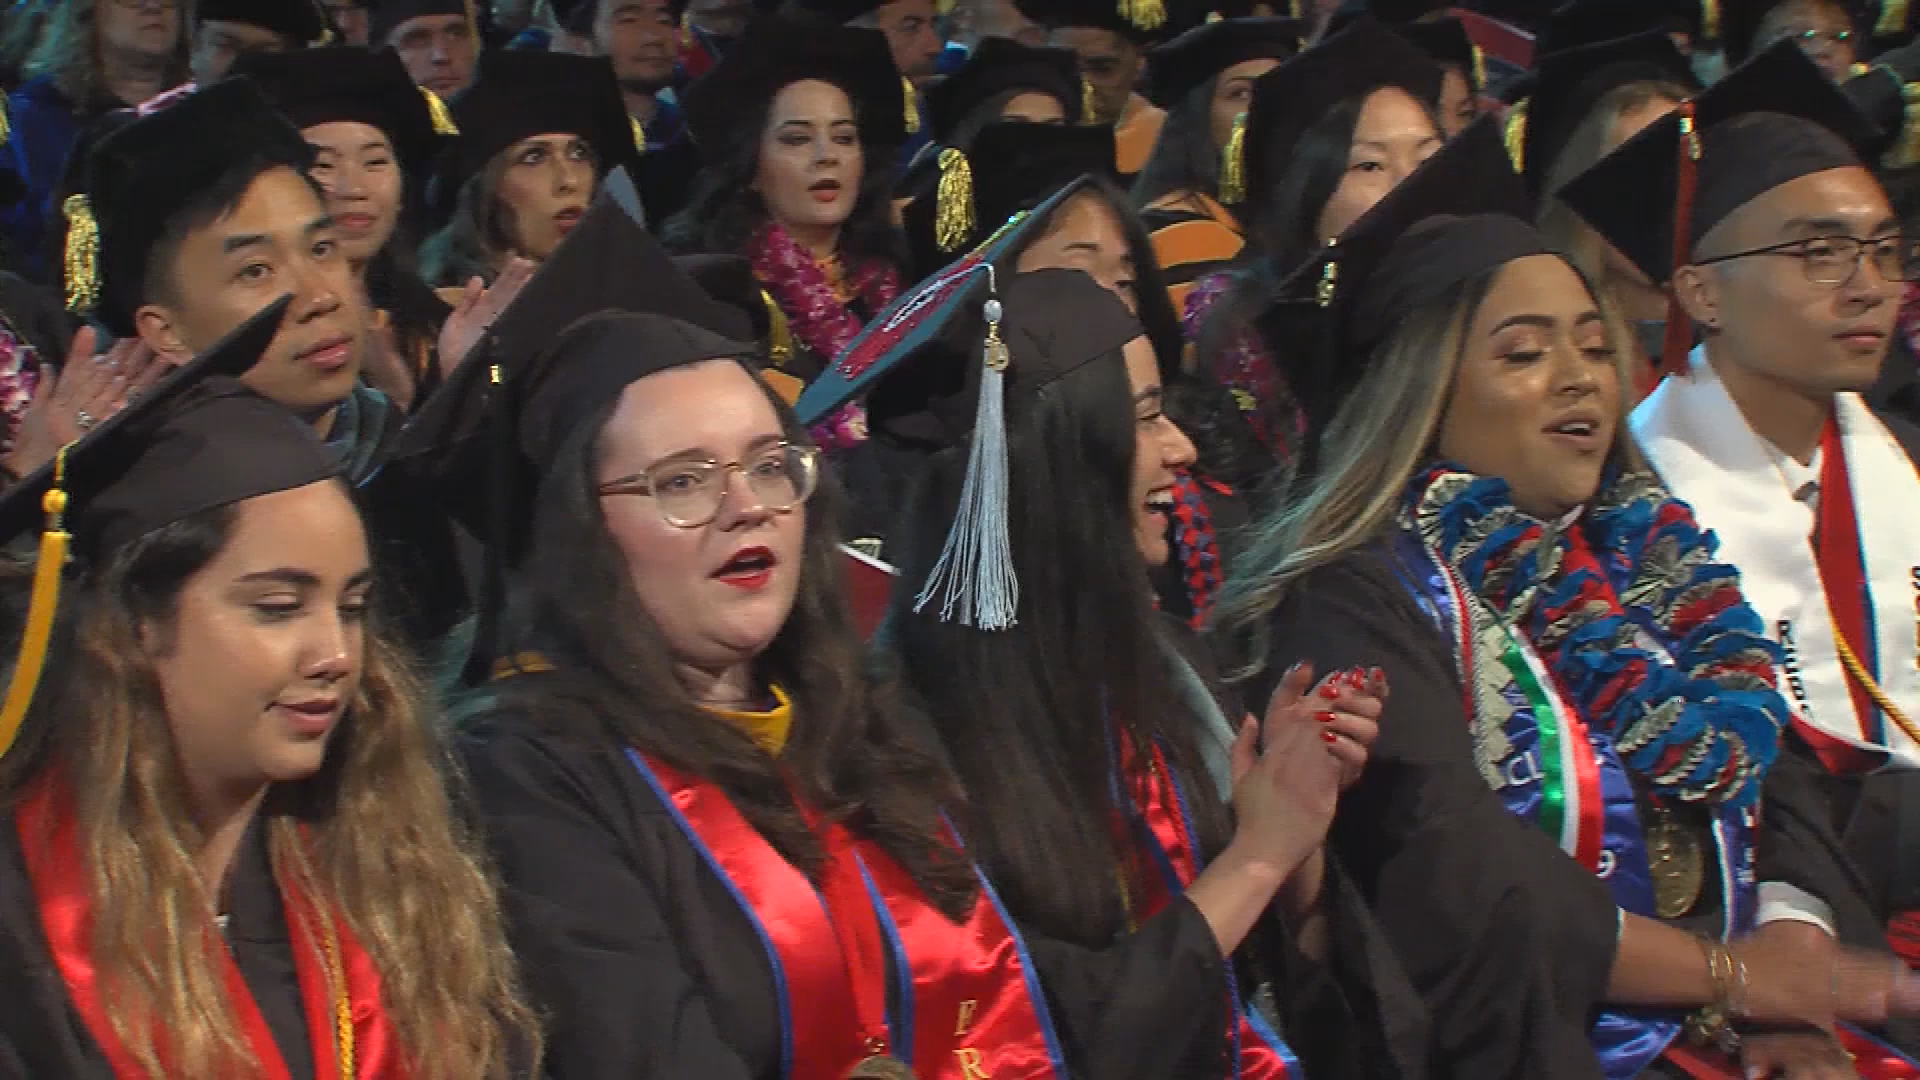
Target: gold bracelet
{"x": 1713, "y": 1024}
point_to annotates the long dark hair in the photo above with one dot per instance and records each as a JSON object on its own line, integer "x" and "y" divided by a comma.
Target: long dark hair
{"x": 724, "y": 210}
{"x": 1026, "y": 713}
{"x": 848, "y": 755}
{"x": 1184, "y": 159}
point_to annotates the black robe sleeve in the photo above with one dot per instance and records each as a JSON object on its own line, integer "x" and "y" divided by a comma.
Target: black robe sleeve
{"x": 1507, "y": 940}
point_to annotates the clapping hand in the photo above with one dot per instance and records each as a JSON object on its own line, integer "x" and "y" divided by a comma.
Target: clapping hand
{"x": 87, "y": 390}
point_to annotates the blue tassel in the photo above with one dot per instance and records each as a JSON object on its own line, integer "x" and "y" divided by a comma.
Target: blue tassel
{"x": 974, "y": 578}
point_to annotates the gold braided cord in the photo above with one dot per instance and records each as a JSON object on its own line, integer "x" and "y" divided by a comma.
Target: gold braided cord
{"x": 1850, "y": 661}
{"x": 954, "y": 218}
{"x": 82, "y": 255}
{"x": 342, "y": 1003}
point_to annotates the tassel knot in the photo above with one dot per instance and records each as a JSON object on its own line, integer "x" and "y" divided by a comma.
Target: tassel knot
{"x": 82, "y": 255}
{"x": 953, "y": 213}
{"x": 1144, "y": 14}
{"x": 1233, "y": 164}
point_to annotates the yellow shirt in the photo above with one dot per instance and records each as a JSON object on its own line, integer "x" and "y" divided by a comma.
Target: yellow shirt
{"x": 769, "y": 728}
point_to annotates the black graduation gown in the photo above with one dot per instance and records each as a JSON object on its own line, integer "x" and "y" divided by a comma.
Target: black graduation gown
{"x": 42, "y": 1037}
{"x": 1508, "y": 942}
{"x": 646, "y": 966}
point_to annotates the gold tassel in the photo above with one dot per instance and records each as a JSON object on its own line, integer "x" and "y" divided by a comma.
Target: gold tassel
{"x": 41, "y": 609}
{"x": 1233, "y": 164}
{"x": 6, "y": 122}
{"x": 82, "y": 254}
{"x": 912, "y": 102}
{"x": 1709, "y": 20}
{"x": 943, "y": 7}
{"x": 1293, "y": 10}
{"x": 639, "y": 133}
{"x": 1214, "y": 17}
{"x": 1905, "y": 152}
{"x": 1144, "y": 14}
{"x": 1329, "y": 277}
{"x": 1479, "y": 69}
{"x": 473, "y": 21}
{"x": 437, "y": 109}
{"x": 953, "y": 217}
{"x": 1088, "y": 104}
{"x": 1516, "y": 135}
{"x": 779, "y": 334}
{"x": 1893, "y": 19}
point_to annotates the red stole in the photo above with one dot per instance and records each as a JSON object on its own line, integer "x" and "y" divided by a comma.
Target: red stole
{"x": 334, "y": 972}
{"x": 1843, "y": 577}
{"x": 973, "y": 1007}
{"x": 1159, "y": 810}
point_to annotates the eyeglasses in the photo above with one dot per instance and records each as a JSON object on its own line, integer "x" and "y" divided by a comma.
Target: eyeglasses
{"x": 1823, "y": 37}
{"x": 1833, "y": 260}
{"x": 689, "y": 493}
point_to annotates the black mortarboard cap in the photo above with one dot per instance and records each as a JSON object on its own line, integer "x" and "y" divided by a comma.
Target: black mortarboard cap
{"x": 387, "y": 15}
{"x": 997, "y": 66}
{"x": 1139, "y": 21}
{"x": 1356, "y": 289}
{"x": 350, "y": 84}
{"x": 1012, "y": 166}
{"x": 518, "y": 95}
{"x": 1447, "y": 42}
{"x": 195, "y": 441}
{"x": 1181, "y": 66}
{"x": 299, "y": 21}
{"x": 140, "y": 175}
{"x": 730, "y": 280}
{"x": 834, "y": 12}
{"x": 1571, "y": 82}
{"x": 1290, "y": 99}
{"x": 776, "y": 52}
{"x": 1590, "y": 22}
{"x": 1773, "y": 120}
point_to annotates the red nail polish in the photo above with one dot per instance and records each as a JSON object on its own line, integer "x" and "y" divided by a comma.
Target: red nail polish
{"x": 1324, "y": 717}
{"x": 1330, "y": 691}
{"x": 1377, "y": 674}
{"x": 1329, "y": 737}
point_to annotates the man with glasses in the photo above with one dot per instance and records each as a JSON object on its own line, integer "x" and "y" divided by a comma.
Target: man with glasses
{"x": 1791, "y": 263}
{"x": 1823, "y": 29}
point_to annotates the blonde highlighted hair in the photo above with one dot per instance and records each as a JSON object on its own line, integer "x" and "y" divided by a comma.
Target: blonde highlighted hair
{"x": 1379, "y": 437}
{"x": 69, "y": 53}
{"x": 373, "y": 836}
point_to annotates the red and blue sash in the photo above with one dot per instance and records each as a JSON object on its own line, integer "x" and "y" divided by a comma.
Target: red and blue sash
{"x": 963, "y": 999}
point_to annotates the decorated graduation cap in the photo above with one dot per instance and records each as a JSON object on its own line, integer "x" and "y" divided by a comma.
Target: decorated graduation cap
{"x": 1000, "y": 66}
{"x": 1290, "y": 99}
{"x": 1570, "y": 84}
{"x": 777, "y": 52}
{"x": 137, "y": 177}
{"x": 388, "y": 16}
{"x": 350, "y": 84}
{"x": 1774, "y": 120}
{"x": 1011, "y": 167}
{"x": 518, "y": 95}
{"x": 1140, "y": 21}
{"x": 1181, "y": 66}
{"x": 299, "y": 21}
{"x": 196, "y": 440}
{"x": 1462, "y": 212}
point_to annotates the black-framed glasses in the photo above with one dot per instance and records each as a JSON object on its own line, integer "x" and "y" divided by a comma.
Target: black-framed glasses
{"x": 689, "y": 493}
{"x": 1833, "y": 260}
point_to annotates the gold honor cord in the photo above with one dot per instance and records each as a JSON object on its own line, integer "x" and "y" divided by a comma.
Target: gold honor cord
{"x": 1851, "y": 661}
{"x": 342, "y": 1003}
{"x": 41, "y": 610}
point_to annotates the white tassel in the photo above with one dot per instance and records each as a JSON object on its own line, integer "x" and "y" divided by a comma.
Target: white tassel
{"x": 974, "y": 577}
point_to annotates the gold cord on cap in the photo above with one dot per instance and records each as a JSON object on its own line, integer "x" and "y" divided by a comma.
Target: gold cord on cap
{"x": 779, "y": 334}
{"x": 1515, "y": 135}
{"x": 1893, "y": 19}
{"x": 953, "y": 215}
{"x": 41, "y": 609}
{"x": 1709, "y": 19}
{"x": 1233, "y": 163}
{"x": 437, "y": 110}
{"x": 912, "y": 105}
{"x": 1479, "y": 68}
{"x": 82, "y": 254}
{"x": 1144, "y": 14}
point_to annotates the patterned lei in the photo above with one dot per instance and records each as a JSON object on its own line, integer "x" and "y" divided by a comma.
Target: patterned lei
{"x": 19, "y": 375}
{"x": 818, "y": 318}
{"x": 1639, "y": 627}
{"x": 1247, "y": 369}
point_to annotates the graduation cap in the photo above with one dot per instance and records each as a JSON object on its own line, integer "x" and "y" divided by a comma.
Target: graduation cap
{"x": 1355, "y": 291}
{"x": 1290, "y": 99}
{"x": 387, "y": 15}
{"x": 776, "y": 52}
{"x": 1181, "y": 66}
{"x": 299, "y": 21}
{"x": 835, "y": 12}
{"x": 196, "y": 440}
{"x": 351, "y": 84}
{"x": 1139, "y": 21}
{"x": 1011, "y": 167}
{"x": 1590, "y": 22}
{"x": 518, "y": 95}
{"x": 1571, "y": 82}
{"x": 1446, "y": 41}
{"x": 999, "y": 66}
{"x": 139, "y": 175}
{"x": 1774, "y": 120}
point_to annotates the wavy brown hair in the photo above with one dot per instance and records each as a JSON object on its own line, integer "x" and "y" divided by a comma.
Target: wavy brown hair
{"x": 69, "y": 53}
{"x": 849, "y": 754}
{"x": 372, "y": 835}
